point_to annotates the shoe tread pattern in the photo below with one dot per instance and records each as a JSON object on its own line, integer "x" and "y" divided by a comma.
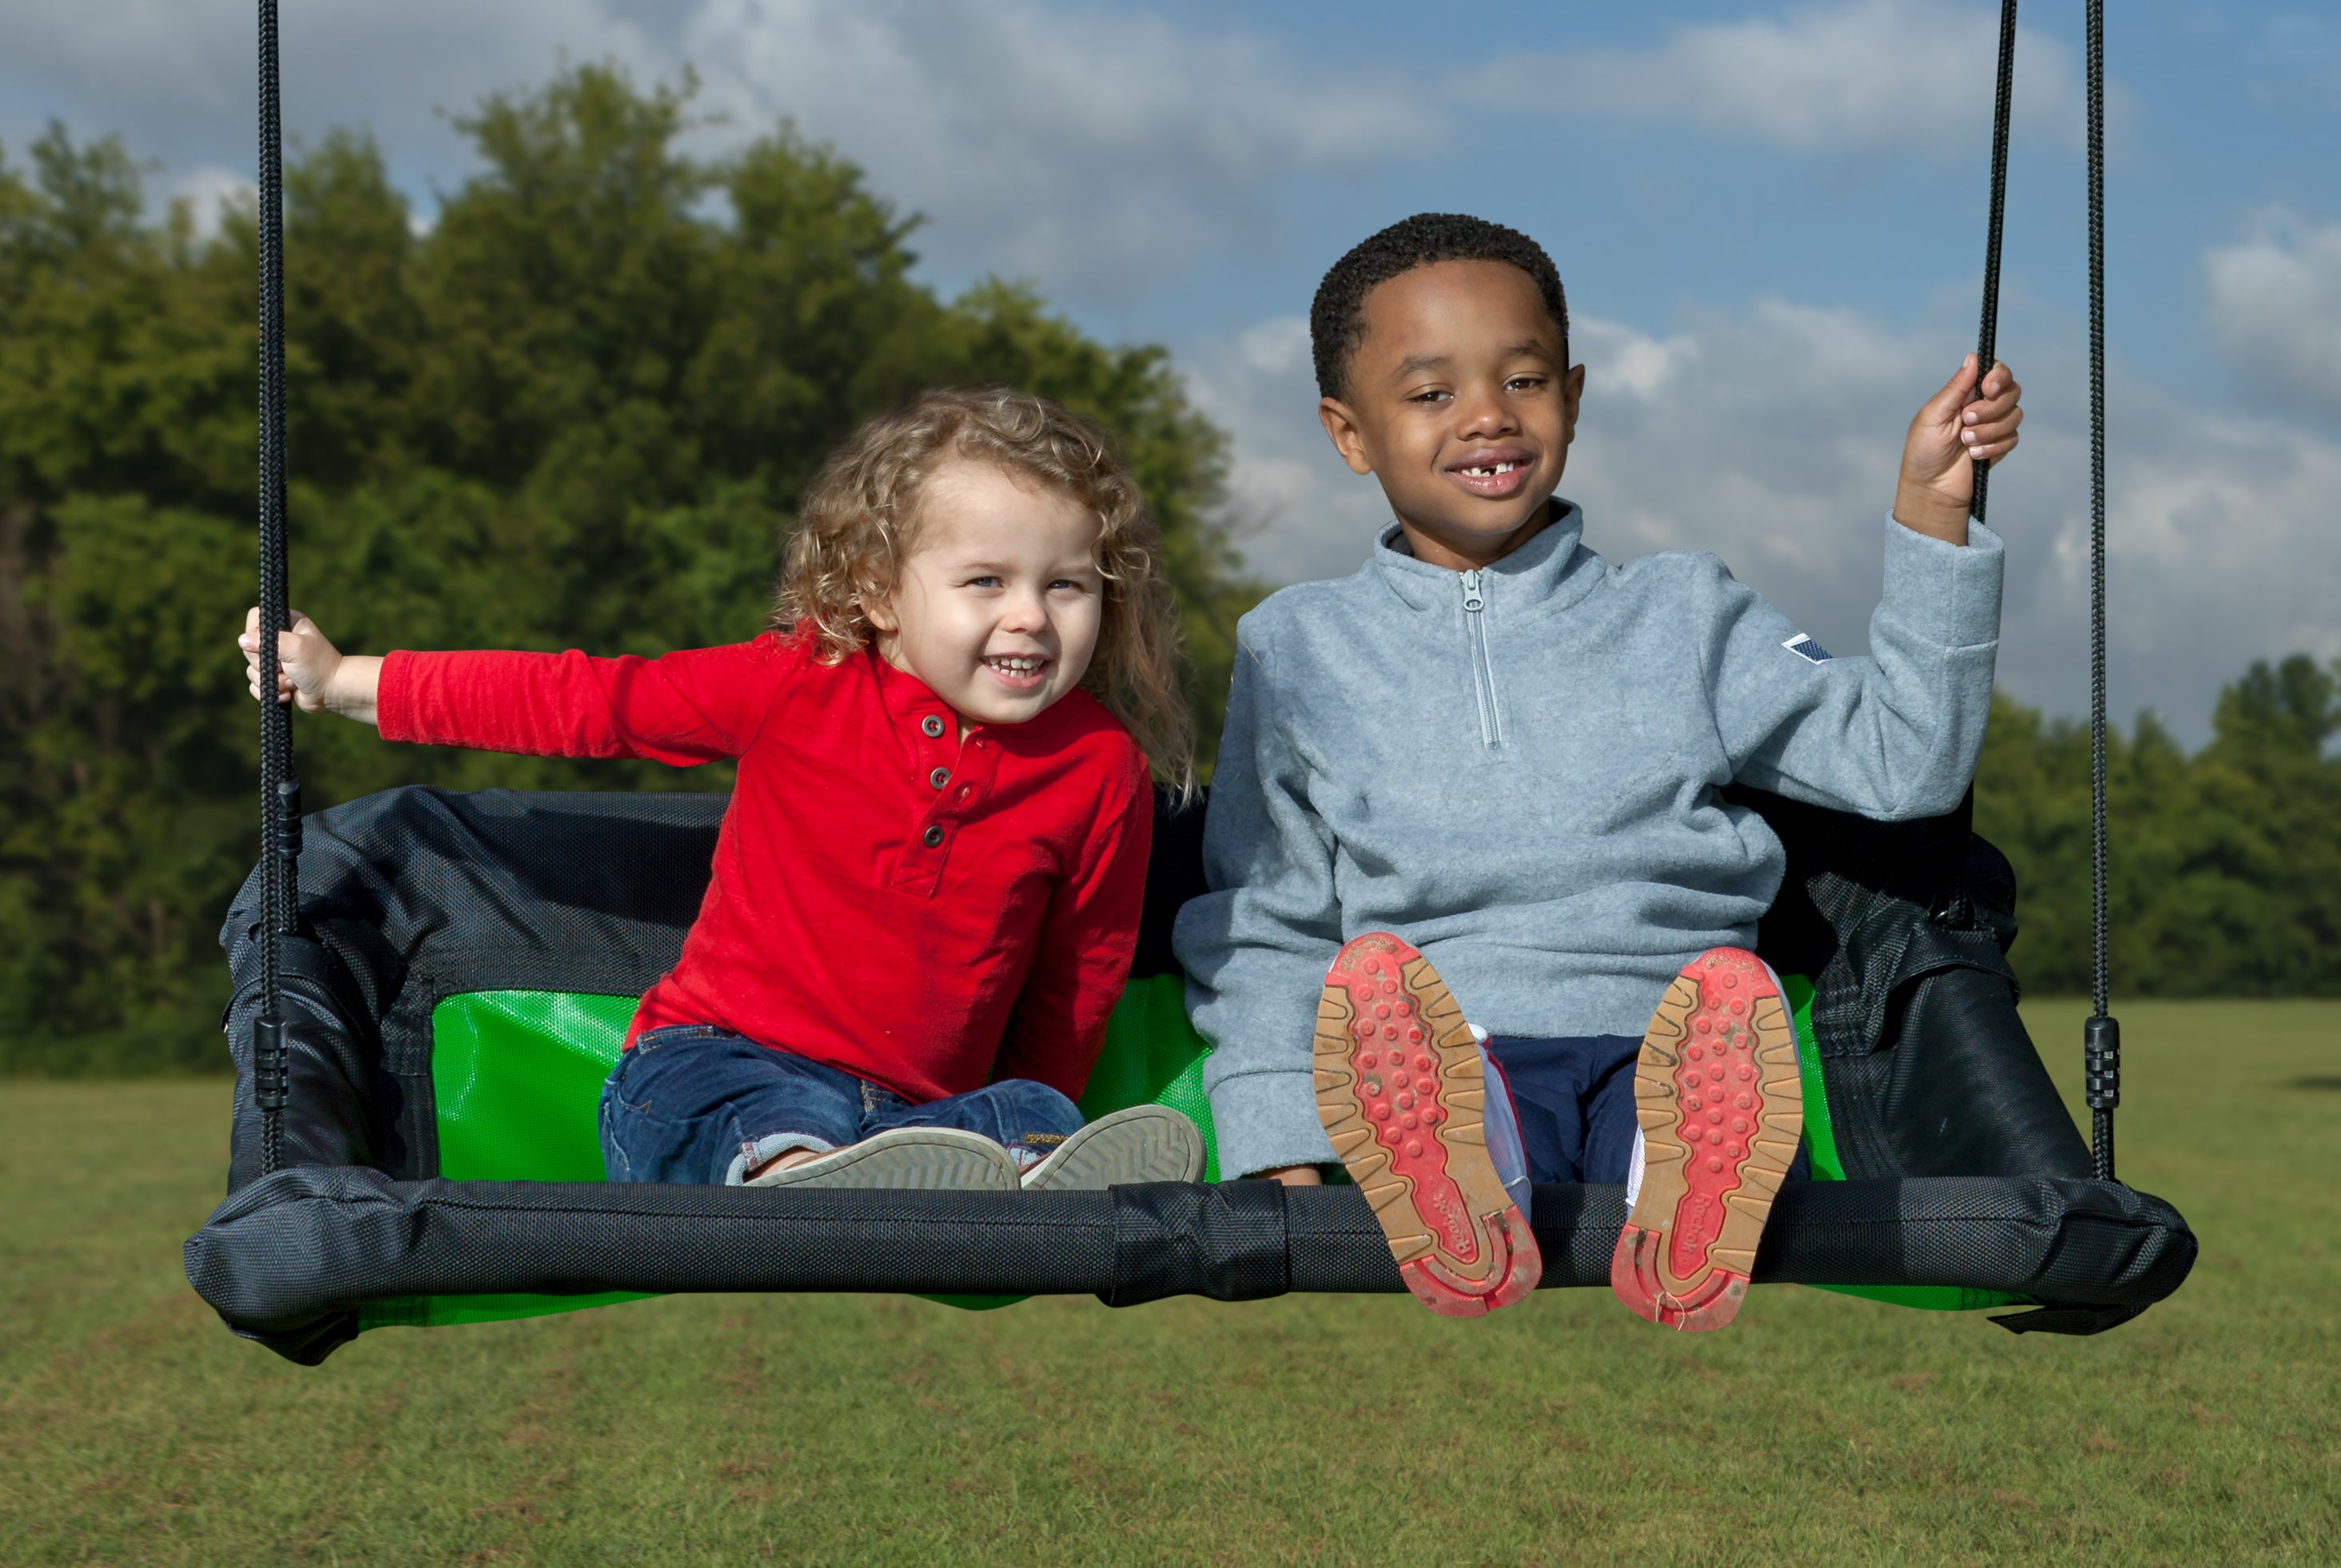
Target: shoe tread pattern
{"x": 1391, "y": 1049}
{"x": 1142, "y": 1144}
{"x": 1720, "y": 1104}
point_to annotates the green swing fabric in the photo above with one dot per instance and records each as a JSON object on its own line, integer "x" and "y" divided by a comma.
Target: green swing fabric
{"x": 518, "y": 1074}
{"x": 517, "y": 1079}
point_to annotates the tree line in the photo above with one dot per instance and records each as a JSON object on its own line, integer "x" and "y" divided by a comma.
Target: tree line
{"x": 2225, "y": 871}
{"x": 575, "y": 409}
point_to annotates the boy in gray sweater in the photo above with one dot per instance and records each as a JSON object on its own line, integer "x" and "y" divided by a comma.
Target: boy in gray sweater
{"x": 1491, "y": 759}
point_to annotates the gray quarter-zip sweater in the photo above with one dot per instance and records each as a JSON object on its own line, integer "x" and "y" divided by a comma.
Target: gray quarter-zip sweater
{"x": 1515, "y": 769}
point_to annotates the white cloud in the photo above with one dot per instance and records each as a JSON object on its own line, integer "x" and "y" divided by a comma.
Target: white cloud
{"x": 1301, "y": 514}
{"x": 1846, "y": 77}
{"x": 2274, "y": 312}
{"x": 2220, "y": 548}
{"x": 1770, "y": 436}
{"x": 177, "y": 79}
{"x": 1096, "y": 149}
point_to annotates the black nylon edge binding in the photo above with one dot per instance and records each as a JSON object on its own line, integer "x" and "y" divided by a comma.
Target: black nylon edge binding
{"x": 291, "y": 1259}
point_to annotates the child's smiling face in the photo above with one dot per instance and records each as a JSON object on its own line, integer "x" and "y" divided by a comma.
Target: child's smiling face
{"x": 1461, "y": 401}
{"x": 998, "y": 604}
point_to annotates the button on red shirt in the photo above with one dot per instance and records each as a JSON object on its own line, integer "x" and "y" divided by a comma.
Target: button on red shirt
{"x": 923, "y": 911}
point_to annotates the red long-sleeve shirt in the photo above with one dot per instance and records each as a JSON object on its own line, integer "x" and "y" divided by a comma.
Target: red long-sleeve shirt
{"x": 922, "y": 911}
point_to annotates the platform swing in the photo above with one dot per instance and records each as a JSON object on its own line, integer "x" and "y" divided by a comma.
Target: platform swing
{"x": 429, "y": 988}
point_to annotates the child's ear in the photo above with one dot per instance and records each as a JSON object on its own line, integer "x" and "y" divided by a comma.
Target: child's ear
{"x": 878, "y": 608}
{"x": 1342, "y": 427}
{"x": 1572, "y": 398}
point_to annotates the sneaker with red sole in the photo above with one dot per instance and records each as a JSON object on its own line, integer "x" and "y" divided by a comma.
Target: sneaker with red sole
{"x": 1403, "y": 1088}
{"x": 1721, "y": 1108}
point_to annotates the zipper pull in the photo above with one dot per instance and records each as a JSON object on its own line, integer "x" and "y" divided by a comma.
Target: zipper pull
{"x": 1473, "y": 602}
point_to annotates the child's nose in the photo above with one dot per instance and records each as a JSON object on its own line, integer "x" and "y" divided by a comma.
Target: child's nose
{"x": 1024, "y": 612}
{"x": 1486, "y": 411}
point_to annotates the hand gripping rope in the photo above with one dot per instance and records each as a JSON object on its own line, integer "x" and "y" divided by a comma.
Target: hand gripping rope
{"x": 280, "y": 791}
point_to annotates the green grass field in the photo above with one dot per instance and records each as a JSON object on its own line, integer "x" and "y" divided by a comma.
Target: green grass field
{"x": 134, "y": 1429}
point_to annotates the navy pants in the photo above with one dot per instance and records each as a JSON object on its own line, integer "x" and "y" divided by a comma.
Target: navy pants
{"x": 699, "y": 1105}
{"x": 1574, "y": 1100}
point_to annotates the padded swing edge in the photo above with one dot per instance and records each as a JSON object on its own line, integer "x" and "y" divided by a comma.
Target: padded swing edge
{"x": 311, "y": 1245}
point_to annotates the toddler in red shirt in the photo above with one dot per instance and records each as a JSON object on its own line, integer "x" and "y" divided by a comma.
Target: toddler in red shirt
{"x": 926, "y": 890}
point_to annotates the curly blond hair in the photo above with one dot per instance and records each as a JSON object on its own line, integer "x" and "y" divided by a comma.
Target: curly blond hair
{"x": 857, "y": 522}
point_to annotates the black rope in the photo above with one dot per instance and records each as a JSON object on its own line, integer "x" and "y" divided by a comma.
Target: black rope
{"x": 1988, "y": 336}
{"x": 280, "y": 791}
{"x": 2101, "y": 1038}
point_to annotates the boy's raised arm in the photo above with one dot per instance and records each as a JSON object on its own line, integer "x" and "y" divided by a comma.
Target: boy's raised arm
{"x": 1256, "y": 947}
{"x": 1895, "y": 735}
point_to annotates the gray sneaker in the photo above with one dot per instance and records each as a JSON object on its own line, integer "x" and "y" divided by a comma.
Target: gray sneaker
{"x": 1143, "y": 1144}
{"x": 919, "y": 1159}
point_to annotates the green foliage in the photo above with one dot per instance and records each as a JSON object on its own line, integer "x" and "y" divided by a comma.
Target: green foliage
{"x": 2225, "y": 873}
{"x": 575, "y": 411}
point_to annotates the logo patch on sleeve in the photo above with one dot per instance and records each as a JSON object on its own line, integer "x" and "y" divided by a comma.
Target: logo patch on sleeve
{"x": 1805, "y": 648}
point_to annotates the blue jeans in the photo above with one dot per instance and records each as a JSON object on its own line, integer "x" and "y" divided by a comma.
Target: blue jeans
{"x": 1574, "y": 1100}
{"x": 698, "y": 1105}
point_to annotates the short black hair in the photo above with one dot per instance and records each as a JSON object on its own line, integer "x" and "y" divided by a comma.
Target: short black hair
{"x": 1337, "y": 317}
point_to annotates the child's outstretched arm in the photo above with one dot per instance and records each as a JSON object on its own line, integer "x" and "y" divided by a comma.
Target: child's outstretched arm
{"x": 311, "y": 671}
{"x": 1948, "y": 436}
{"x": 699, "y": 705}
{"x": 1895, "y": 735}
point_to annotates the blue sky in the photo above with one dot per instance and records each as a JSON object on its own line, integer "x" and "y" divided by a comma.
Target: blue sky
{"x": 1769, "y": 216}
{"x": 2221, "y": 112}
